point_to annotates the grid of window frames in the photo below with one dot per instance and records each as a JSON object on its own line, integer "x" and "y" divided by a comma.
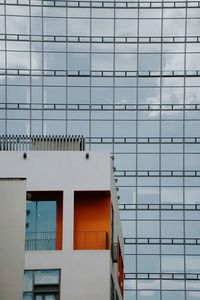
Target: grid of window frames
{"x": 126, "y": 75}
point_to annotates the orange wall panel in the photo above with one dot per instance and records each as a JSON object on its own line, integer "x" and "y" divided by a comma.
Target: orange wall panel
{"x": 120, "y": 270}
{"x": 92, "y": 219}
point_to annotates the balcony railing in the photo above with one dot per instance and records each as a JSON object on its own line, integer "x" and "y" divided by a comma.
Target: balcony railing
{"x": 91, "y": 240}
{"x": 36, "y": 241}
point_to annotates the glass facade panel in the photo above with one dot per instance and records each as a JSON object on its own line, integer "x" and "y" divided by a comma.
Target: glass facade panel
{"x": 126, "y": 76}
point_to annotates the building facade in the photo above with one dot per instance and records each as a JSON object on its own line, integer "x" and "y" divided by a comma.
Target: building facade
{"x": 73, "y": 239}
{"x": 125, "y": 74}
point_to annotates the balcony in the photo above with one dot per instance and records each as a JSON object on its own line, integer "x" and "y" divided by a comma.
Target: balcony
{"x": 41, "y": 241}
{"x": 91, "y": 240}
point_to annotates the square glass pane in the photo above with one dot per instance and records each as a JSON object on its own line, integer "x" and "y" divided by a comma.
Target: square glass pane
{"x": 169, "y": 295}
{"x": 148, "y": 295}
{"x": 148, "y": 263}
{"x": 47, "y": 277}
{"x": 193, "y": 295}
{"x": 172, "y": 229}
{"x": 172, "y": 264}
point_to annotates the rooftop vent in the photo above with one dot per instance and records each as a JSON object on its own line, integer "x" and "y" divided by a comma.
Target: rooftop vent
{"x": 47, "y": 143}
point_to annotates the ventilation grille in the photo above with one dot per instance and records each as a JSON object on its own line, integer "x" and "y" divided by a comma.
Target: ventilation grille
{"x": 48, "y": 143}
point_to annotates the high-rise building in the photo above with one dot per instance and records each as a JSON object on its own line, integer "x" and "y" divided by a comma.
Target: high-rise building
{"x": 72, "y": 244}
{"x": 124, "y": 74}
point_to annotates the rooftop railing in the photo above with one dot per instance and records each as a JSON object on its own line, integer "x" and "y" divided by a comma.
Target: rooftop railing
{"x": 47, "y": 143}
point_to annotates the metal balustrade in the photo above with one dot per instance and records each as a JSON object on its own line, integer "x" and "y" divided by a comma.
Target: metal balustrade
{"x": 40, "y": 241}
{"x": 91, "y": 240}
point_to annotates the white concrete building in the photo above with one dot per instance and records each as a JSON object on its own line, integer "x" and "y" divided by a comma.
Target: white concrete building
{"x": 73, "y": 238}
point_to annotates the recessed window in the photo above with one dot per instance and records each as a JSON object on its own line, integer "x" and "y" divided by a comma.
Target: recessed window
{"x": 41, "y": 285}
{"x": 44, "y": 221}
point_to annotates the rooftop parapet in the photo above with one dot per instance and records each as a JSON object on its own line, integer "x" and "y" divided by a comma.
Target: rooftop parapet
{"x": 41, "y": 143}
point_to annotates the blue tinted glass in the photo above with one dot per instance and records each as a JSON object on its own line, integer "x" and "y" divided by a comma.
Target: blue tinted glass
{"x": 47, "y": 277}
{"x": 46, "y": 216}
{"x": 27, "y": 296}
{"x": 28, "y": 281}
{"x": 31, "y": 216}
{"x": 41, "y": 225}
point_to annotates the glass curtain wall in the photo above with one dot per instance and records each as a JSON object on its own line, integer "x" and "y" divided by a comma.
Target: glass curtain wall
{"x": 126, "y": 75}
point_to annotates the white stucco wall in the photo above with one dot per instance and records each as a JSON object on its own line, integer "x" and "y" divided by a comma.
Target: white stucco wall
{"x": 84, "y": 274}
{"x": 12, "y": 237}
